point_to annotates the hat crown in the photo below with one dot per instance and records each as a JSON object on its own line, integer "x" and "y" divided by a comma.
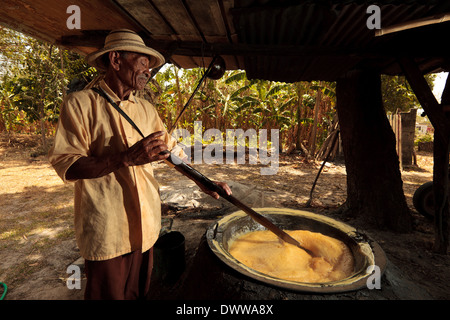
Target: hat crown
{"x": 124, "y": 40}
{"x": 117, "y": 37}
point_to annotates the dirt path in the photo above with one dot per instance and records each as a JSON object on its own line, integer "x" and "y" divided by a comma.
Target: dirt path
{"x": 37, "y": 239}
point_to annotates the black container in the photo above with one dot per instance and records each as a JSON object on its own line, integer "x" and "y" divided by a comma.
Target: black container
{"x": 169, "y": 257}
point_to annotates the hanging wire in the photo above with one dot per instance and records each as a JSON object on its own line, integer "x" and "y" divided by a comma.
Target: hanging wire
{"x": 192, "y": 95}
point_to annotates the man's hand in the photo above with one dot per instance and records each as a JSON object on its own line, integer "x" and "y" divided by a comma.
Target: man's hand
{"x": 214, "y": 194}
{"x": 147, "y": 150}
{"x": 144, "y": 151}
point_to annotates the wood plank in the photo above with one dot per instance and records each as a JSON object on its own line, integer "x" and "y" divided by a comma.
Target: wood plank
{"x": 426, "y": 97}
{"x": 147, "y": 16}
{"x": 176, "y": 14}
{"x": 46, "y": 20}
{"x": 226, "y": 6}
{"x": 209, "y": 17}
{"x": 231, "y": 62}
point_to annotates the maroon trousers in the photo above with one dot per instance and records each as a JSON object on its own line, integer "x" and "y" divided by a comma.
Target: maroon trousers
{"x": 126, "y": 277}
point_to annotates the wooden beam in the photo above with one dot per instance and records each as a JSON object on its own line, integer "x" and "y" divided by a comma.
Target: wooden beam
{"x": 414, "y": 24}
{"x": 441, "y": 148}
{"x": 426, "y": 97}
{"x": 92, "y": 38}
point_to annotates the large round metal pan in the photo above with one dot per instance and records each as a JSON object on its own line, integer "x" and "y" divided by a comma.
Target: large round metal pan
{"x": 366, "y": 253}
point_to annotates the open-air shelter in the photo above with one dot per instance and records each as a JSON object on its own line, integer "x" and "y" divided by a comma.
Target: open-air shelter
{"x": 347, "y": 41}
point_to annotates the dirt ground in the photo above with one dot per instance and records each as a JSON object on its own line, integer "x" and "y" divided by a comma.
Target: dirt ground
{"x": 37, "y": 239}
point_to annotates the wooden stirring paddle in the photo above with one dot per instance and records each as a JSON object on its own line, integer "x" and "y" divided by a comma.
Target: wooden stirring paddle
{"x": 197, "y": 177}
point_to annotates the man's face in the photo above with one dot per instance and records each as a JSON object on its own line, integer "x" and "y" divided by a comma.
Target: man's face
{"x": 134, "y": 70}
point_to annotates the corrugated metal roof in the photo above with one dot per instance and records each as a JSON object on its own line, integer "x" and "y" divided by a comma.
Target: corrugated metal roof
{"x": 337, "y": 30}
{"x": 277, "y": 40}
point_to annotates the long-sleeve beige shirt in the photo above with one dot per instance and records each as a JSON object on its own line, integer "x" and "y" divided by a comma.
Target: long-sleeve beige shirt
{"x": 121, "y": 211}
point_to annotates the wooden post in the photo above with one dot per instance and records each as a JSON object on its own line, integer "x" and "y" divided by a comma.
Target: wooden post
{"x": 441, "y": 180}
{"x": 441, "y": 145}
{"x": 374, "y": 184}
{"x": 408, "y": 122}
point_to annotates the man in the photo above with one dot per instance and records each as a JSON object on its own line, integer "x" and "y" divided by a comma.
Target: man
{"x": 117, "y": 204}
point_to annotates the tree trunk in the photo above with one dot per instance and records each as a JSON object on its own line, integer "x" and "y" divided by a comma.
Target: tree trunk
{"x": 298, "y": 137}
{"x": 62, "y": 74}
{"x": 42, "y": 117}
{"x": 179, "y": 93}
{"x": 313, "y": 138}
{"x": 374, "y": 185}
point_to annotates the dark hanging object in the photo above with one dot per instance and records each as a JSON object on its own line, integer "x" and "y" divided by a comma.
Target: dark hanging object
{"x": 217, "y": 68}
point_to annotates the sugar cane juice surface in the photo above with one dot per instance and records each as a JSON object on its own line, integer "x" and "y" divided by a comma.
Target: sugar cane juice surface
{"x": 263, "y": 251}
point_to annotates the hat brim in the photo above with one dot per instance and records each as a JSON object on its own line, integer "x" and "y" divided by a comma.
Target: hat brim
{"x": 94, "y": 58}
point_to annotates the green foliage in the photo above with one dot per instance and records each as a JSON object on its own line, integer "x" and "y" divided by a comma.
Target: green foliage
{"x": 397, "y": 94}
{"x": 423, "y": 138}
{"x": 34, "y": 79}
{"x": 237, "y": 102}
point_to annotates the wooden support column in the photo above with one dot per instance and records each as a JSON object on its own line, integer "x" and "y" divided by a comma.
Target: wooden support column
{"x": 441, "y": 123}
{"x": 374, "y": 184}
{"x": 441, "y": 188}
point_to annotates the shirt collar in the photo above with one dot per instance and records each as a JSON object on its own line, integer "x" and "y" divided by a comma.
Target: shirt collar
{"x": 112, "y": 94}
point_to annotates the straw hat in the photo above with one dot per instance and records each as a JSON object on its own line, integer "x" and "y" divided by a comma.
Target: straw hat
{"x": 124, "y": 40}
